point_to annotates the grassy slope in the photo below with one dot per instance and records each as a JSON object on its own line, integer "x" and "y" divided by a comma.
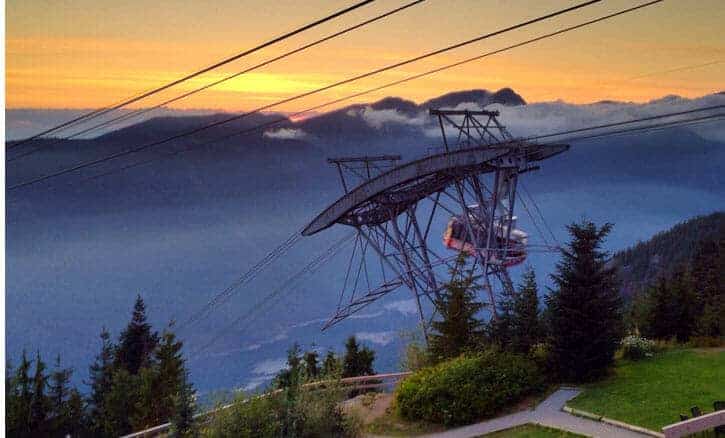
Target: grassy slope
{"x": 652, "y": 393}
{"x": 532, "y": 431}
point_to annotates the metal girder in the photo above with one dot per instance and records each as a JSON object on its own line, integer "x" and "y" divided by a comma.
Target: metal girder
{"x": 480, "y": 167}
{"x": 446, "y": 167}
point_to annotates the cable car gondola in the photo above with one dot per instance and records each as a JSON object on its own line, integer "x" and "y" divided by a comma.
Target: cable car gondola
{"x": 456, "y": 237}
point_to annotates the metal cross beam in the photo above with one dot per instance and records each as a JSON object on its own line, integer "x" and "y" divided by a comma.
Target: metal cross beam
{"x": 418, "y": 217}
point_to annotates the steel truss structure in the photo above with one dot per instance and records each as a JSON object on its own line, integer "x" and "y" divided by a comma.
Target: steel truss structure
{"x": 396, "y": 209}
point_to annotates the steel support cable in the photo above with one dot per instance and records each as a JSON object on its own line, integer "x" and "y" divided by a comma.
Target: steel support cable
{"x": 142, "y": 111}
{"x": 254, "y": 311}
{"x": 627, "y": 122}
{"x": 533, "y": 220}
{"x": 39, "y": 147}
{"x": 548, "y": 248}
{"x": 658, "y": 126}
{"x": 538, "y": 211}
{"x": 99, "y": 112}
{"x": 372, "y": 90}
{"x": 226, "y": 293}
{"x": 248, "y": 276}
{"x": 561, "y": 133}
{"x": 137, "y": 149}
{"x": 676, "y": 69}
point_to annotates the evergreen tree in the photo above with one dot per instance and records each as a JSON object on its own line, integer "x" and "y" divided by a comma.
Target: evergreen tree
{"x": 459, "y": 329}
{"x": 148, "y": 402}
{"x": 119, "y": 404}
{"x": 101, "y": 380}
{"x": 357, "y": 361}
{"x": 671, "y": 309}
{"x": 59, "y": 394}
{"x": 137, "y": 341}
{"x": 290, "y": 377}
{"x": 160, "y": 382}
{"x": 526, "y": 328}
{"x": 75, "y": 414}
{"x": 25, "y": 396}
{"x": 182, "y": 420}
{"x": 312, "y": 369}
{"x": 39, "y": 405}
{"x": 366, "y": 358}
{"x": 585, "y": 308}
{"x": 11, "y": 399}
{"x": 331, "y": 364}
{"x": 708, "y": 278}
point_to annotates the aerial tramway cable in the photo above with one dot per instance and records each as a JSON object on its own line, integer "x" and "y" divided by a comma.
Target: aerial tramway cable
{"x": 142, "y": 111}
{"x": 253, "y": 312}
{"x": 101, "y": 111}
{"x": 371, "y": 90}
{"x": 137, "y": 149}
{"x": 245, "y": 278}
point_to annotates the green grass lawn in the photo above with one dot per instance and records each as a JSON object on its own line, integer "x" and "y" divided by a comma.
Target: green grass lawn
{"x": 652, "y": 393}
{"x": 532, "y": 431}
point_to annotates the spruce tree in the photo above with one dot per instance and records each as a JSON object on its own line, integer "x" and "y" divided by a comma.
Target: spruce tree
{"x": 526, "y": 328}
{"x": 290, "y": 377}
{"x": 458, "y": 328}
{"x": 357, "y": 361}
{"x": 585, "y": 308}
{"x": 169, "y": 373}
{"x": 25, "y": 397}
{"x": 58, "y": 394}
{"x": 101, "y": 380}
{"x": 331, "y": 364}
{"x": 672, "y": 308}
{"x": 119, "y": 404}
{"x": 39, "y": 405}
{"x": 137, "y": 341}
{"x": 708, "y": 281}
{"x": 312, "y": 369}
{"x": 182, "y": 420}
{"x": 148, "y": 400}
{"x": 350, "y": 362}
{"x": 11, "y": 399}
{"x": 75, "y": 414}
{"x": 366, "y": 358}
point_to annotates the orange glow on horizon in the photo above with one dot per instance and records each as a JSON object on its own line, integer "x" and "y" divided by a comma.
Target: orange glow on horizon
{"x": 64, "y": 65}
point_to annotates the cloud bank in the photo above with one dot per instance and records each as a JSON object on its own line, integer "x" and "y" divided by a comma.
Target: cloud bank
{"x": 550, "y": 117}
{"x": 380, "y": 338}
{"x": 286, "y": 134}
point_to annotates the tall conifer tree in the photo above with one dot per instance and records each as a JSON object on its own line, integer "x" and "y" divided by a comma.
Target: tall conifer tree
{"x": 526, "y": 327}
{"x": 39, "y": 405}
{"x": 458, "y": 328}
{"x": 101, "y": 379}
{"x": 585, "y": 308}
{"x": 137, "y": 341}
{"x": 58, "y": 394}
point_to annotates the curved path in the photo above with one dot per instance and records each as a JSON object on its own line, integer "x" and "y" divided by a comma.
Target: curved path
{"x": 547, "y": 413}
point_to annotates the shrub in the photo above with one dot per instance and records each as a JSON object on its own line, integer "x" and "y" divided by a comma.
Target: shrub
{"x": 291, "y": 412}
{"x": 636, "y": 347}
{"x": 464, "y": 389}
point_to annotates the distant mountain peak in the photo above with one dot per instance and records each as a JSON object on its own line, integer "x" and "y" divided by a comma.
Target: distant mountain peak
{"x": 396, "y": 103}
{"x": 504, "y": 96}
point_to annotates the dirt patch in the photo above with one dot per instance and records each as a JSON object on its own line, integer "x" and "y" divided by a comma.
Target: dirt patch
{"x": 368, "y": 407}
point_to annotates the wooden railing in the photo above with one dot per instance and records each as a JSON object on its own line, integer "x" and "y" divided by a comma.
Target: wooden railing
{"x": 376, "y": 381}
{"x": 694, "y": 425}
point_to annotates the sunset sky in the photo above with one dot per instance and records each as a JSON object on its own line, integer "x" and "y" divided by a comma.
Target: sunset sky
{"x": 89, "y": 53}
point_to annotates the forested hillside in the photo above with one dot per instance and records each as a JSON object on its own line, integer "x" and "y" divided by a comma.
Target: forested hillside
{"x": 641, "y": 264}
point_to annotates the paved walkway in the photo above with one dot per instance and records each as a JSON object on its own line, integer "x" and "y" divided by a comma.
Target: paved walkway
{"x": 547, "y": 413}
